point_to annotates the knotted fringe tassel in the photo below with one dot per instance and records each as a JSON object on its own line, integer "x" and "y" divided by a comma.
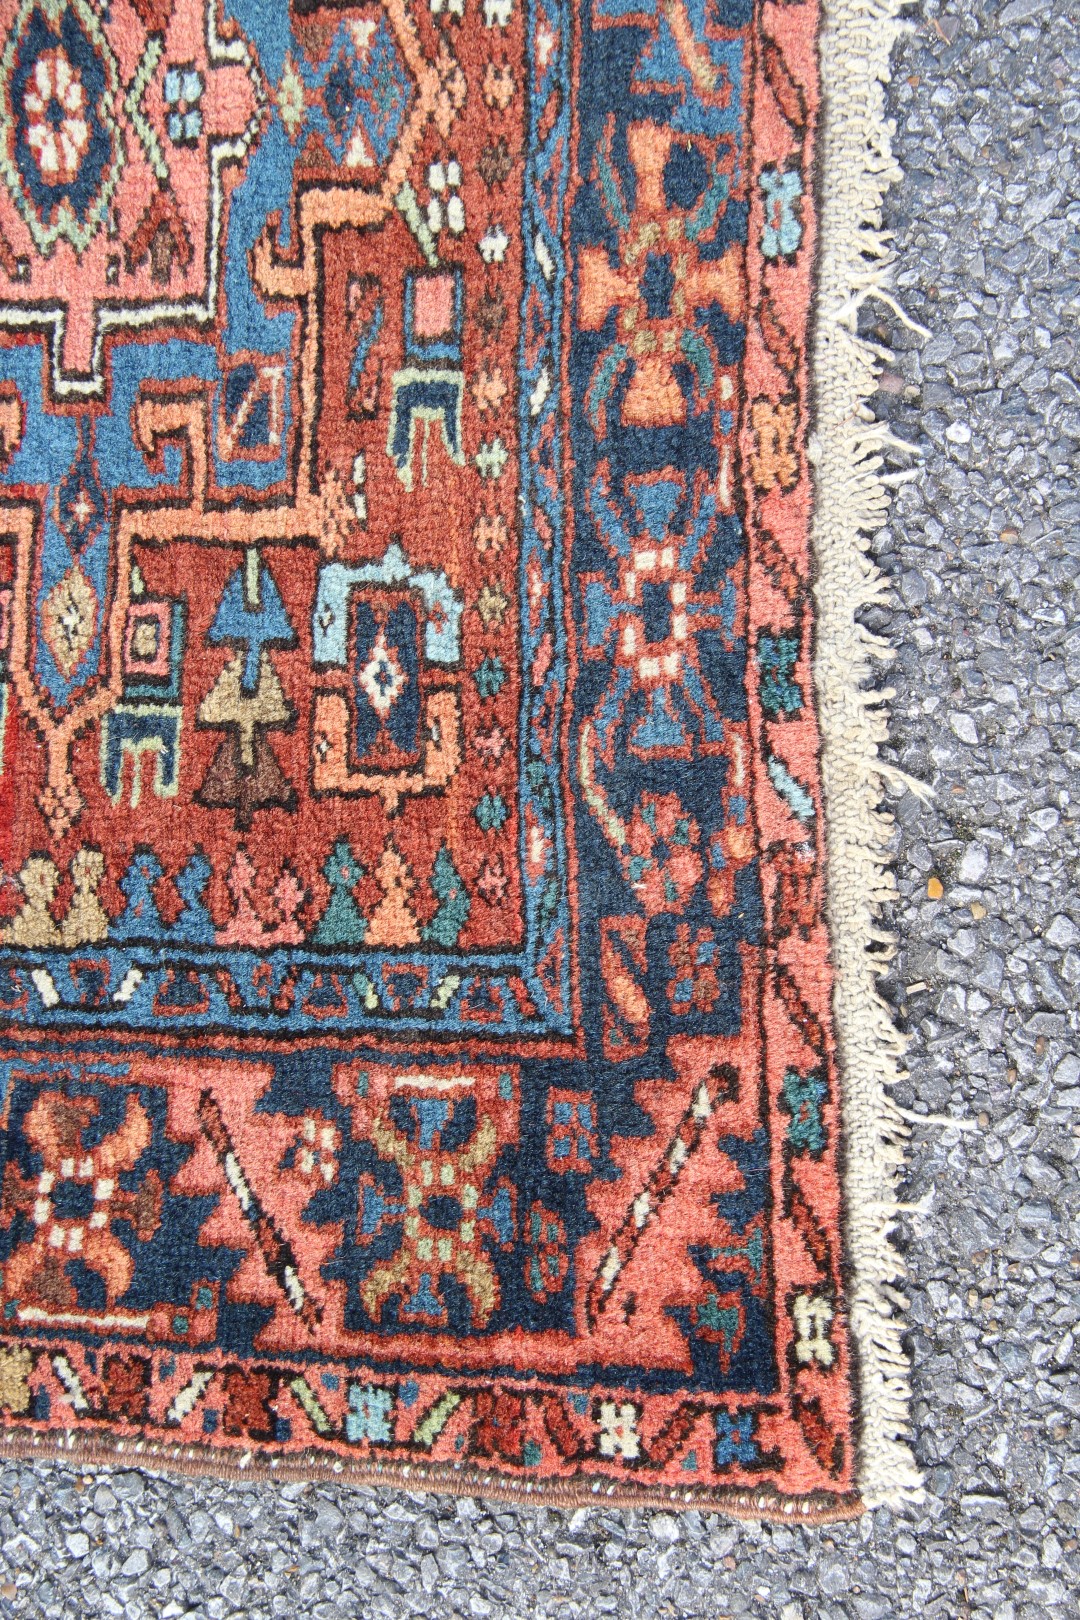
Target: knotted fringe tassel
{"x": 852, "y": 498}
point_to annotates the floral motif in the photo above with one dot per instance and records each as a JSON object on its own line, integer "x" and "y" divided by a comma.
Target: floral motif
{"x": 618, "y": 1435}
{"x": 247, "y": 1403}
{"x": 316, "y": 1149}
{"x": 693, "y": 958}
{"x": 368, "y": 1417}
{"x": 70, "y": 1205}
{"x": 735, "y": 1441}
{"x": 500, "y": 1424}
{"x": 661, "y": 858}
{"x": 127, "y": 1380}
{"x": 662, "y": 285}
{"x": 61, "y": 147}
{"x": 548, "y": 1254}
{"x": 57, "y": 132}
{"x": 445, "y": 207}
{"x": 183, "y": 94}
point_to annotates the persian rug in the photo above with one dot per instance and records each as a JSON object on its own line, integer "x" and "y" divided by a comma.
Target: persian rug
{"x": 440, "y": 864}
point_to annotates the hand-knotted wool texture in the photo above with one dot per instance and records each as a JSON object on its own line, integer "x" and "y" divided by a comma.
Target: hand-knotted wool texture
{"x": 415, "y": 985}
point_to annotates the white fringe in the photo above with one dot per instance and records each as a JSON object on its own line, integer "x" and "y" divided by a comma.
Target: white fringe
{"x": 852, "y": 499}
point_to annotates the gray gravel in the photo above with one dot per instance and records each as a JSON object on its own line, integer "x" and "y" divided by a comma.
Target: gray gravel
{"x": 983, "y": 548}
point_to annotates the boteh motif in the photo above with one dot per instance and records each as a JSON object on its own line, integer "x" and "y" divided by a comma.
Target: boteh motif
{"x": 415, "y": 997}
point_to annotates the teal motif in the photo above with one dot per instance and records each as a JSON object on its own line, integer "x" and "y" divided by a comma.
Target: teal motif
{"x": 368, "y": 1417}
{"x": 803, "y": 1097}
{"x": 782, "y": 232}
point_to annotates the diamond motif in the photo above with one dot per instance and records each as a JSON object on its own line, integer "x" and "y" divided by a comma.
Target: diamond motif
{"x": 382, "y": 677}
{"x": 364, "y": 94}
{"x": 69, "y": 620}
{"x": 81, "y": 503}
